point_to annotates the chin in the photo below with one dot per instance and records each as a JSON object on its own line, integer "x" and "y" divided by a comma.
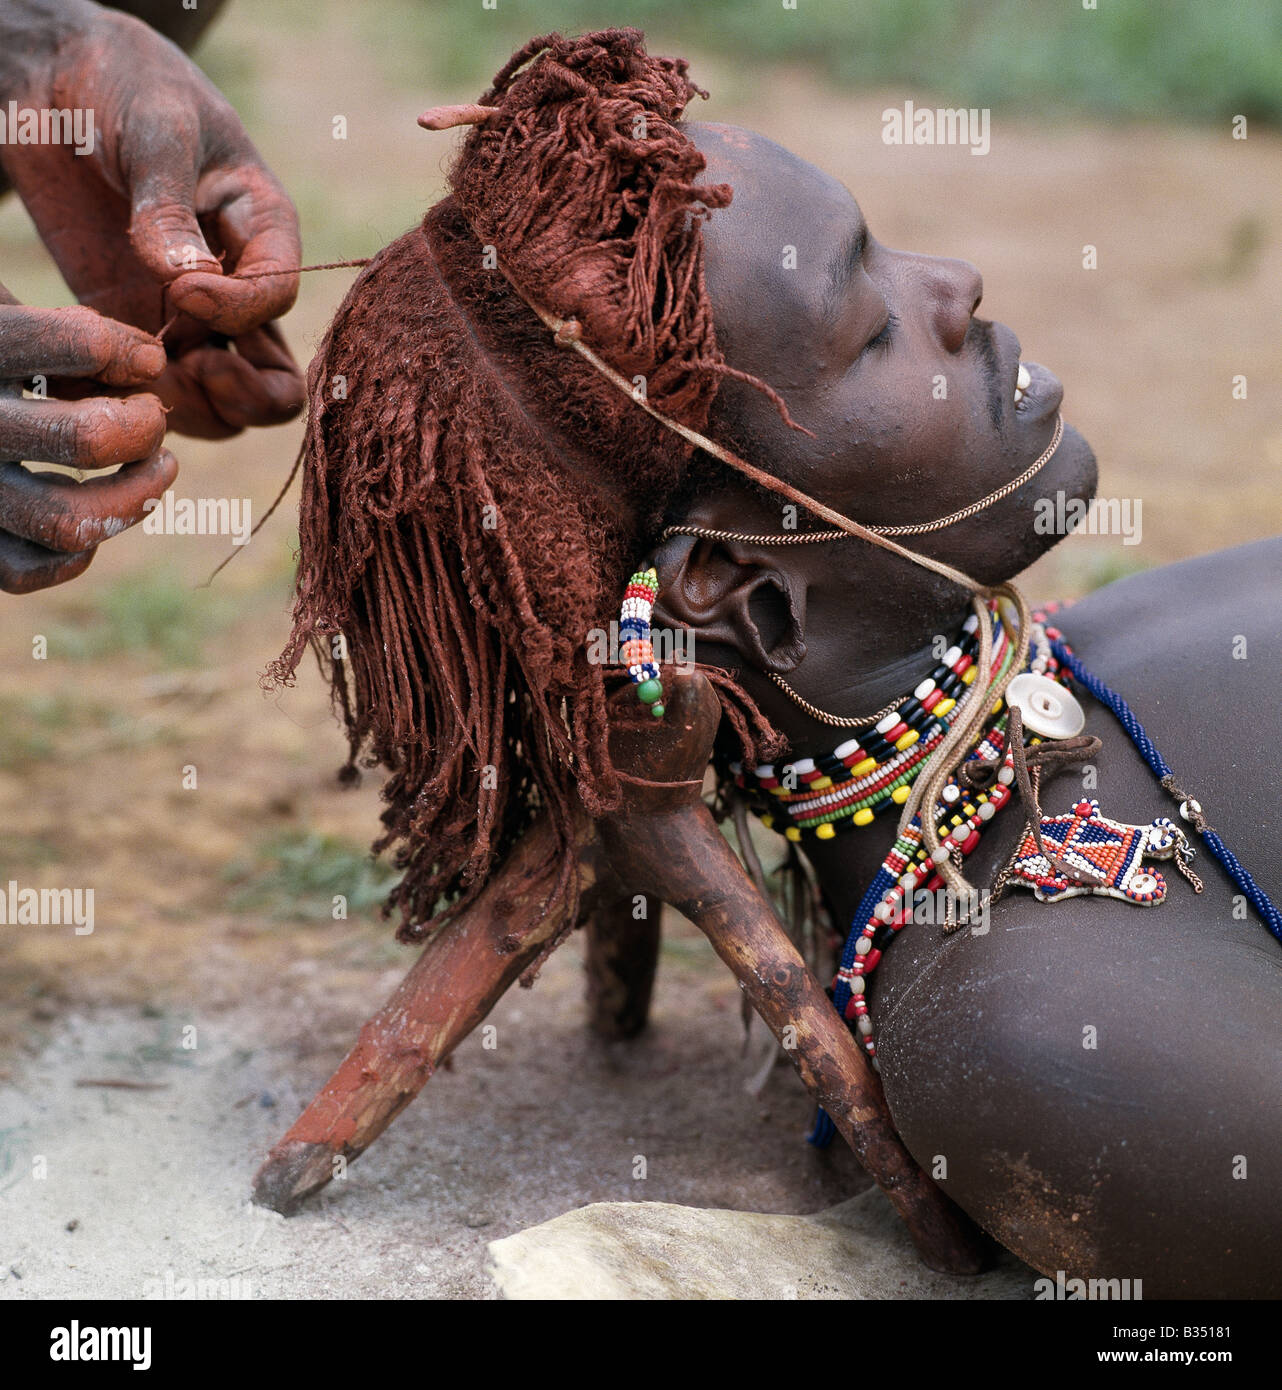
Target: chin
{"x": 1073, "y": 467}
{"x": 1073, "y": 471}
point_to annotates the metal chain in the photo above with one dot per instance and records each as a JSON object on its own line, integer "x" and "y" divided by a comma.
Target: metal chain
{"x": 792, "y": 538}
{"x": 837, "y": 721}
{"x": 815, "y": 537}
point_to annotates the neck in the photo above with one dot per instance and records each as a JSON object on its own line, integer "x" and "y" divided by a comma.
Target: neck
{"x": 905, "y": 629}
{"x": 877, "y": 643}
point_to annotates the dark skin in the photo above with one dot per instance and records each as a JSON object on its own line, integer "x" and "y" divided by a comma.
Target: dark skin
{"x": 149, "y": 230}
{"x": 1116, "y": 1160}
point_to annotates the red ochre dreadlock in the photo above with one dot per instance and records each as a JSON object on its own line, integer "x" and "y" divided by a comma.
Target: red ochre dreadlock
{"x": 474, "y": 496}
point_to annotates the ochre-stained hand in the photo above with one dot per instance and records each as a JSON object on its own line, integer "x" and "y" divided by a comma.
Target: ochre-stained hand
{"x": 50, "y": 524}
{"x": 172, "y": 206}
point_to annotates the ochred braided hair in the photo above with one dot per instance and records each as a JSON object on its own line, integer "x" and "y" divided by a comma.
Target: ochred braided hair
{"x": 474, "y": 496}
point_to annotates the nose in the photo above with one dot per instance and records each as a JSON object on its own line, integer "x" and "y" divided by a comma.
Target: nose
{"x": 955, "y": 287}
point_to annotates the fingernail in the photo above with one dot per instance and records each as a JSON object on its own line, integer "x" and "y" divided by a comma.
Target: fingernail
{"x": 189, "y": 257}
{"x": 147, "y": 360}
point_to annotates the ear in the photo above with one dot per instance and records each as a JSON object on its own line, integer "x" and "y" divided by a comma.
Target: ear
{"x": 734, "y": 595}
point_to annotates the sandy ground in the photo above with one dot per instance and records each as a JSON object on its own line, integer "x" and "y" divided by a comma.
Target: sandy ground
{"x": 93, "y": 745}
{"x": 140, "y": 1186}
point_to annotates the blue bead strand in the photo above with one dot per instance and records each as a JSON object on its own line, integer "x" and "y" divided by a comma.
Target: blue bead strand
{"x": 1125, "y": 716}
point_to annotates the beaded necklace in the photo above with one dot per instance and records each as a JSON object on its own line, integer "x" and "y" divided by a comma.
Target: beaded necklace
{"x": 863, "y": 777}
{"x": 821, "y": 796}
{"x": 887, "y": 906}
{"x": 866, "y": 776}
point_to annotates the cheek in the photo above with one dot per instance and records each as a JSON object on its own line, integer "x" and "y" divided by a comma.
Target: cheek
{"x": 907, "y": 433}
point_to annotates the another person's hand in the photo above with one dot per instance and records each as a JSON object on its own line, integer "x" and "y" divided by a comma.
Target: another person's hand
{"x": 50, "y": 524}
{"x": 171, "y": 206}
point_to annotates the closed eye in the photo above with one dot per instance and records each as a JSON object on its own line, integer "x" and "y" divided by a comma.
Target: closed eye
{"x": 883, "y": 338}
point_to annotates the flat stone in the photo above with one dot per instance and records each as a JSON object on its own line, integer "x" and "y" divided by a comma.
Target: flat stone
{"x": 658, "y": 1250}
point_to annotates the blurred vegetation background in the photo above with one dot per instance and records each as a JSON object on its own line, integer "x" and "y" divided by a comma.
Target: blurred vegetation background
{"x": 1185, "y": 59}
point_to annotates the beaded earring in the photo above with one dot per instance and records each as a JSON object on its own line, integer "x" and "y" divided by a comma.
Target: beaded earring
{"x": 636, "y": 650}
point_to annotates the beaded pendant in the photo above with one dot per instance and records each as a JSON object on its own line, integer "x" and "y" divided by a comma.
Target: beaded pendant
{"x": 1091, "y": 854}
{"x": 636, "y": 651}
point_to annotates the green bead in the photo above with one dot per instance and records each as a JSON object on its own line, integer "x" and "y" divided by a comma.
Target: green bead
{"x": 649, "y": 691}
{"x": 657, "y": 711}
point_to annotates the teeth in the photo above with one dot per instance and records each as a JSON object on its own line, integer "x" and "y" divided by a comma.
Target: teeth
{"x": 1022, "y": 382}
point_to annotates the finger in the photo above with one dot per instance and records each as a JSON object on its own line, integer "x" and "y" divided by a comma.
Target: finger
{"x": 259, "y": 384}
{"x": 187, "y": 407}
{"x": 162, "y": 156}
{"x": 213, "y": 392}
{"x": 54, "y": 511}
{"x": 25, "y": 568}
{"x": 266, "y": 347}
{"x": 75, "y": 342}
{"x": 257, "y": 224}
{"x": 95, "y": 433}
{"x": 243, "y": 396}
{"x": 190, "y": 409}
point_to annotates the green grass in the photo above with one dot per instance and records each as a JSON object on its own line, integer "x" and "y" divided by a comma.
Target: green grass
{"x": 24, "y": 853}
{"x": 153, "y": 613}
{"x": 36, "y": 729}
{"x": 1089, "y": 572}
{"x": 28, "y": 725}
{"x": 166, "y": 1048}
{"x": 686, "y": 953}
{"x": 1183, "y": 59}
{"x": 296, "y": 876}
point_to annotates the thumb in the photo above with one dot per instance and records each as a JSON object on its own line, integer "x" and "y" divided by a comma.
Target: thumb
{"x": 163, "y": 229}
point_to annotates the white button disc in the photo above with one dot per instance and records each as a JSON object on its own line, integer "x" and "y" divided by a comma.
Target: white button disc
{"x": 1048, "y": 708}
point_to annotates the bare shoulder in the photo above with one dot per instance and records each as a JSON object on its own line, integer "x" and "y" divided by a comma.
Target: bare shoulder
{"x": 1212, "y": 607}
{"x": 1195, "y": 649}
{"x": 1089, "y": 1069}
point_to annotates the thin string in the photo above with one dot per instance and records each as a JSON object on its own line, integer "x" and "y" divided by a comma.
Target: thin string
{"x": 293, "y": 472}
{"x": 262, "y": 275}
{"x": 915, "y": 529}
{"x": 928, "y": 790}
{"x": 568, "y": 333}
{"x": 259, "y": 524}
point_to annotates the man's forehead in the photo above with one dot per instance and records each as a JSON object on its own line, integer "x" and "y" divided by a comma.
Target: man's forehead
{"x": 766, "y": 174}
{"x": 791, "y": 230}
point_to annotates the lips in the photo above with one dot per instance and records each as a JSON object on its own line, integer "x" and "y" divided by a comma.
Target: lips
{"x": 1037, "y": 391}
{"x": 1033, "y": 391}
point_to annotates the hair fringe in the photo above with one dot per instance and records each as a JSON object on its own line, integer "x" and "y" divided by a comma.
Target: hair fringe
{"x": 473, "y": 496}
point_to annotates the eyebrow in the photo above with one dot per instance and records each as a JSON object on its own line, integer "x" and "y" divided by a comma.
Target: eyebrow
{"x": 841, "y": 269}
